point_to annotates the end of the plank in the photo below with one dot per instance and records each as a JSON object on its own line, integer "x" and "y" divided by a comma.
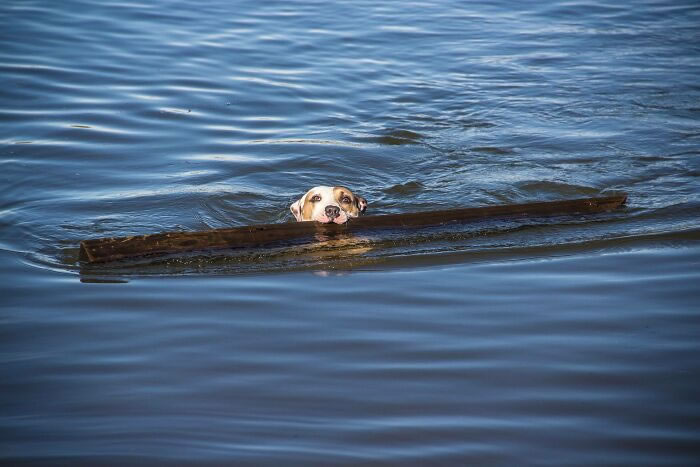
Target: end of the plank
{"x": 85, "y": 254}
{"x": 615, "y": 200}
{"x": 619, "y": 199}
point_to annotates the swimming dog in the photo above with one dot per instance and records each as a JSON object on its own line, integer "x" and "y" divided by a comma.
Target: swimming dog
{"x": 328, "y": 204}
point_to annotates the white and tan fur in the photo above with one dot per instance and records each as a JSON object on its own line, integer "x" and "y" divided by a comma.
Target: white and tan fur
{"x": 328, "y": 204}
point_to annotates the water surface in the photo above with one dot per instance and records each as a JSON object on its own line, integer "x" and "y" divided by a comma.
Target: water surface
{"x": 537, "y": 341}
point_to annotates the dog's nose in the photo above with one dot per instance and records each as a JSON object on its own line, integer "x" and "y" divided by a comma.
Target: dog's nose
{"x": 332, "y": 212}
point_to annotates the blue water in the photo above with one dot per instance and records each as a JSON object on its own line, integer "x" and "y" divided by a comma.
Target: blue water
{"x": 542, "y": 341}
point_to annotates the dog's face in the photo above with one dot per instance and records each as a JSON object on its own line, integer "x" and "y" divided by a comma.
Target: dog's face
{"x": 328, "y": 204}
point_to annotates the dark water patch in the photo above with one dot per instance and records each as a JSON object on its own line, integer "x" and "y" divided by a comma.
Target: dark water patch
{"x": 554, "y": 190}
{"x": 408, "y": 188}
{"x": 394, "y": 138}
{"x": 493, "y": 150}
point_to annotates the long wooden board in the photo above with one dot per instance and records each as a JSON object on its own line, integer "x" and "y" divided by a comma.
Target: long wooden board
{"x": 101, "y": 250}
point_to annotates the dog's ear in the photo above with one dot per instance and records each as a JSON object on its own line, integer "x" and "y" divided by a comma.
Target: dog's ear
{"x": 296, "y": 208}
{"x": 361, "y": 203}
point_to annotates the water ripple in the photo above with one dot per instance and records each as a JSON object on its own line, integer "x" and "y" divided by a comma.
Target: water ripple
{"x": 126, "y": 117}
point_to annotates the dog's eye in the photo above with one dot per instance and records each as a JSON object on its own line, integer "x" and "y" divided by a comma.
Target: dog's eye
{"x": 315, "y": 199}
{"x": 345, "y": 200}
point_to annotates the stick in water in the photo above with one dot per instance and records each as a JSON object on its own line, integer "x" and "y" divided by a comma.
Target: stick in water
{"x": 102, "y": 250}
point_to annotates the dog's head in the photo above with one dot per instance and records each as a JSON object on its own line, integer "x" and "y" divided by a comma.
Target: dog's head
{"x": 328, "y": 204}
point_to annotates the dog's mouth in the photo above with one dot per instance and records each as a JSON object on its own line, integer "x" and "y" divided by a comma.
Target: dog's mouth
{"x": 333, "y": 221}
{"x": 336, "y": 220}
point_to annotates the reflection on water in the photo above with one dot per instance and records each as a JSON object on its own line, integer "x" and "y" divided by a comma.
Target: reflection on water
{"x": 496, "y": 342}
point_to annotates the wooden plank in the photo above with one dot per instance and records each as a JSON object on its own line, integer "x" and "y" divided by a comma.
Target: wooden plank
{"x": 100, "y": 250}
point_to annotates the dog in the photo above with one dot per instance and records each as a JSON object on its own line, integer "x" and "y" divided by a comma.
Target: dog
{"x": 328, "y": 204}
